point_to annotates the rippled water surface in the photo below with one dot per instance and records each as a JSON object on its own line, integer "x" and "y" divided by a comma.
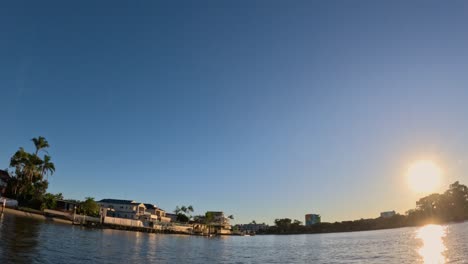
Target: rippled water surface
{"x": 24, "y": 240}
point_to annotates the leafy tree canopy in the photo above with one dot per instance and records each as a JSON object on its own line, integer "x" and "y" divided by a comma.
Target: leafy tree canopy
{"x": 183, "y": 213}
{"x": 30, "y": 172}
{"x": 89, "y": 207}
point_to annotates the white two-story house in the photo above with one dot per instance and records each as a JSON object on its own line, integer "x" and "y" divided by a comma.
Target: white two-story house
{"x": 123, "y": 208}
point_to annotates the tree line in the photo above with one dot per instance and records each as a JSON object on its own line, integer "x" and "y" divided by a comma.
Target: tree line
{"x": 450, "y": 206}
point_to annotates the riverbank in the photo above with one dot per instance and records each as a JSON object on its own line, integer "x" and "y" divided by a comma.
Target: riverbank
{"x": 172, "y": 229}
{"x": 354, "y": 226}
{"x": 49, "y": 218}
{"x": 7, "y": 210}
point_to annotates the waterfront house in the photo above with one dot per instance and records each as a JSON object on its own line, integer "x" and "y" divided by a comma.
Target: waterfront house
{"x": 67, "y": 205}
{"x": 251, "y": 228}
{"x": 4, "y": 178}
{"x": 217, "y": 223}
{"x": 312, "y": 219}
{"x": 123, "y": 208}
{"x": 199, "y": 228}
{"x": 155, "y": 213}
{"x": 213, "y": 222}
{"x": 172, "y": 216}
{"x": 161, "y": 214}
{"x": 387, "y": 214}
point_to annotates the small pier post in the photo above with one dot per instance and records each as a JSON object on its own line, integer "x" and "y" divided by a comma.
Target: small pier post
{"x": 74, "y": 214}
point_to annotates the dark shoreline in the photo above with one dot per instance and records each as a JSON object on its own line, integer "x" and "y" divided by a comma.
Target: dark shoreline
{"x": 362, "y": 230}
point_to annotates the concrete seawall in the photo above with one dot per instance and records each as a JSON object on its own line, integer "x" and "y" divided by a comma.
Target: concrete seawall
{"x": 35, "y": 216}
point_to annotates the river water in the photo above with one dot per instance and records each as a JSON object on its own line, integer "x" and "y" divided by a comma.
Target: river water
{"x": 24, "y": 240}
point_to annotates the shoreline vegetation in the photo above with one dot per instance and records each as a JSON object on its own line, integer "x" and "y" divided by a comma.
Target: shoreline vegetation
{"x": 448, "y": 207}
{"x": 29, "y": 182}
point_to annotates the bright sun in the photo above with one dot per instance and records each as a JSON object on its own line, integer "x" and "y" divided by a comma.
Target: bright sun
{"x": 424, "y": 176}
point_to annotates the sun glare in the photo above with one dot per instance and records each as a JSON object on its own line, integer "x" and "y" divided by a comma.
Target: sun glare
{"x": 433, "y": 247}
{"x": 424, "y": 176}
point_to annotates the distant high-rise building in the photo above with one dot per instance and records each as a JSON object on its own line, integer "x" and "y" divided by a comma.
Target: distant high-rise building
{"x": 312, "y": 219}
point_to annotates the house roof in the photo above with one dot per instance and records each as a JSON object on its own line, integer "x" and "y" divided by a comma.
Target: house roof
{"x": 117, "y": 201}
{"x": 149, "y": 206}
{"x": 215, "y": 212}
{"x": 152, "y": 206}
{"x": 69, "y": 201}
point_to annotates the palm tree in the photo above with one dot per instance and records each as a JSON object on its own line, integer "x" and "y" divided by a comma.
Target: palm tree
{"x": 30, "y": 169}
{"x": 184, "y": 210}
{"x": 25, "y": 165}
{"x": 47, "y": 167}
{"x": 189, "y": 211}
{"x": 40, "y": 143}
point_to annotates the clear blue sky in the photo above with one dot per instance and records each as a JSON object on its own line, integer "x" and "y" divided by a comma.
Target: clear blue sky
{"x": 263, "y": 109}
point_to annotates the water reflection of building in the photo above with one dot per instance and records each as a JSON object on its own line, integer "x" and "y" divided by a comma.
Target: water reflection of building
{"x": 312, "y": 219}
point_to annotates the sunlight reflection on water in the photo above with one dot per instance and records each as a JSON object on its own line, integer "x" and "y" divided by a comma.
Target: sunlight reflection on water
{"x": 433, "y": 248}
